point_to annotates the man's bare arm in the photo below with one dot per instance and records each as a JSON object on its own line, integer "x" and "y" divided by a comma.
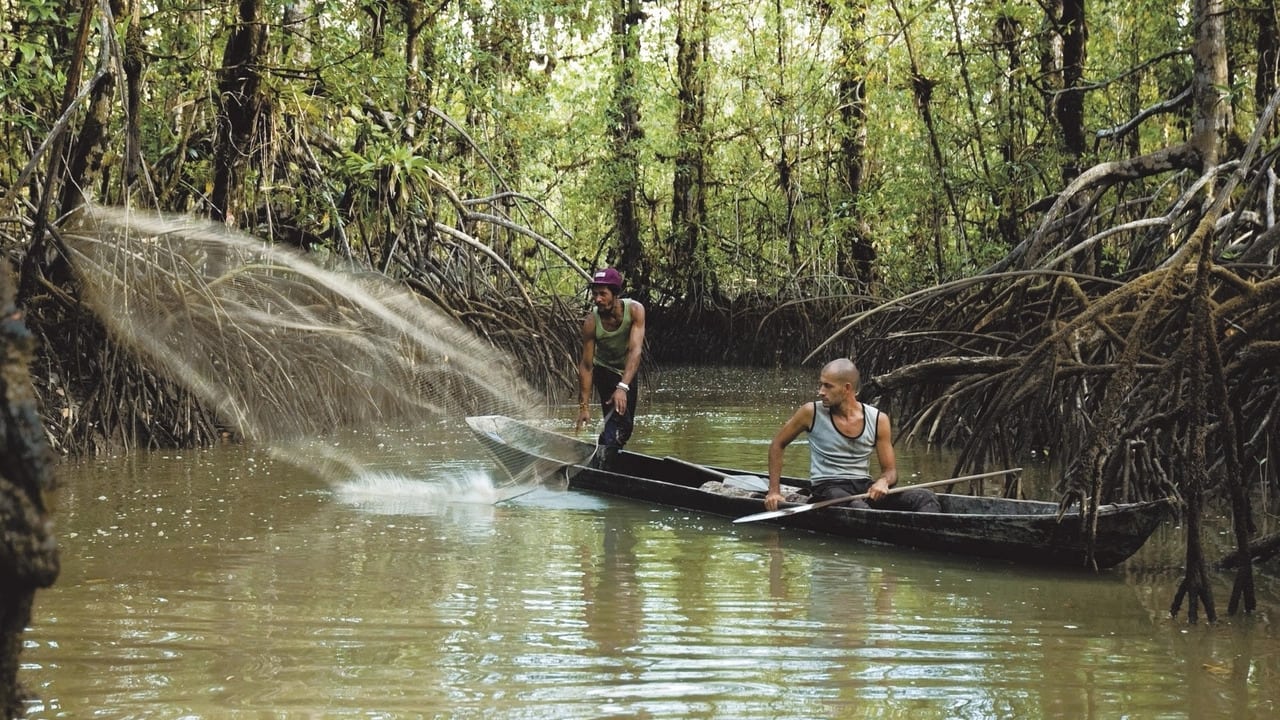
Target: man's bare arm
{"x": 886, "y": 457}
{"x": 635, "y": 349}
{"x": 800, "y": 420}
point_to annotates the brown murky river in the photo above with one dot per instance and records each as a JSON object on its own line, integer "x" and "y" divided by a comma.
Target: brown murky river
{"x": 226, "y": 583}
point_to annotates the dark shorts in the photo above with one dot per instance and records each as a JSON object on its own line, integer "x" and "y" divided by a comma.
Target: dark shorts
{"x": 617, "y": 428}
{"x": 914, "y": 500}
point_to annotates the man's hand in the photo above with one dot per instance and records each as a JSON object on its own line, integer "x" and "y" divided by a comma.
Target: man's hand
{"x": 878, "y": 489}
{"x": 620, "y": 401}
{"x": 771, "y": 501}
{"x": 584, "y": 417}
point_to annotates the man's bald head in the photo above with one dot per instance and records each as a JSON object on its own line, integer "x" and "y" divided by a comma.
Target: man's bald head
{"x": 842, "y": 370}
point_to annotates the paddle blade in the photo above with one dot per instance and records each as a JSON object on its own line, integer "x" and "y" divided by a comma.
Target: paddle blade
{"x": 771, "y": 514}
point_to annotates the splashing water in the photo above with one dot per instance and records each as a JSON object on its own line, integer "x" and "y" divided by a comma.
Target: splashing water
{"x": 393, "y": 494}
{"x": 290, "y": 353}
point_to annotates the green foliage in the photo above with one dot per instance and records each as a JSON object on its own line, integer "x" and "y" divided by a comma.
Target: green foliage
{"x": 357, "y": 96}
{"x": 31, "y": 77}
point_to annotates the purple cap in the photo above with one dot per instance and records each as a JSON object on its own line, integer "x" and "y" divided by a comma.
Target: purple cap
{"x": 607, "y": 276}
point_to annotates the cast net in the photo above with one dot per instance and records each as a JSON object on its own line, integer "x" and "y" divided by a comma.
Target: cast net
{"x": 343, "y": 372}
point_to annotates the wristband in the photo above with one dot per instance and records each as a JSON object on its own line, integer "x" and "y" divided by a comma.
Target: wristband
{"x": 625, "y": 387}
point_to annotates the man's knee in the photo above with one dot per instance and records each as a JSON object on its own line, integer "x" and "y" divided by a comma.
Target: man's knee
{"x": 921, "y": 501}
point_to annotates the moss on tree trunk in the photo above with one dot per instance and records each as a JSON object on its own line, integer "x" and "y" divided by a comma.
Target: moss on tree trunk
{"x": 28, "y": 553}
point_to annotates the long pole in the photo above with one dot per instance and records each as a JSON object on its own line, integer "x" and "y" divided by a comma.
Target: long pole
{"x": 770, "y": 514}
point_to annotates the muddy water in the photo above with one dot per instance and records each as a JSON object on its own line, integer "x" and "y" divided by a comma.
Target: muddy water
{"x": 227, "y": 584}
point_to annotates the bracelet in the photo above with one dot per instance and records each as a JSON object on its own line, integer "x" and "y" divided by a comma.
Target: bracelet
{"x": 625, "y": 387}
{"x": 582, "y": 405}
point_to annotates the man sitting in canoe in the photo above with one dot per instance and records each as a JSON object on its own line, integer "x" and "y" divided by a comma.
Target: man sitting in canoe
{"x": 842, "y": 433}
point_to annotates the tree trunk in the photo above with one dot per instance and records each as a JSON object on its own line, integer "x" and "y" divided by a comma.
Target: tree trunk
{"x": 922, "y": 92}
{"x": 1212, "y": 122}
{"x": 626, "y": 132}
{"x": 502, "y": 63}
{"x": 1013, "y": 132}
{"x": 856, "y": 255}
{"x": 1268, "y": 48}
{"x": 86, "y": 152}
{"x": 28, "y": 552}
{"x": 1069, "y": 108}
{"x": 240, "y": 106}
{"x": 33, "y": 264}
{"x": 135, "y": 53}
{"x": 1194, "y": 588}
{"x": 690, "y": 259}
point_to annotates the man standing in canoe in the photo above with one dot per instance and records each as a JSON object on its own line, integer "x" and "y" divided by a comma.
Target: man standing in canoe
{"x": 612, "y": 341}
{"x": 842, "y": 433}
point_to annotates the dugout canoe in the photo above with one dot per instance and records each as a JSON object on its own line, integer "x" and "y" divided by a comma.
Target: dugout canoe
{"x": 1024, "y": 531}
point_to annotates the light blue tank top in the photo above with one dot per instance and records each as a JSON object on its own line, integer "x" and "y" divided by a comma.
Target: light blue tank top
{"x": 832, "y": 454}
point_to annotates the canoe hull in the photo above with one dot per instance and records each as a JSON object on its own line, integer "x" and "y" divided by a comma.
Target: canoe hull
{"x": 1024, "y": 531}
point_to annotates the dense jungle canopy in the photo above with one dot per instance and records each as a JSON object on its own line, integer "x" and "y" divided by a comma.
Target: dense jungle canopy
{"x": 759, "y": 171}
{"x": 1038, "y": 225}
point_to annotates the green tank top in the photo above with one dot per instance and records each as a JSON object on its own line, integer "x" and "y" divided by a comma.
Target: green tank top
{"x": 611, "y": 346}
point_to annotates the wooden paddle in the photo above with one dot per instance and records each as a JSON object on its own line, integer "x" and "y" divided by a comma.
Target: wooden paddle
{"x": 770, "y": 514}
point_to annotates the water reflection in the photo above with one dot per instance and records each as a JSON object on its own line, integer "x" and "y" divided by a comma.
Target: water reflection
{"x": 225, "y": 584}
{"x": 612, "y": 599}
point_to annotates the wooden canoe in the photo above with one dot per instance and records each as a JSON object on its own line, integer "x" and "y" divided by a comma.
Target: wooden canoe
{"x": 1027, "y": 531}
